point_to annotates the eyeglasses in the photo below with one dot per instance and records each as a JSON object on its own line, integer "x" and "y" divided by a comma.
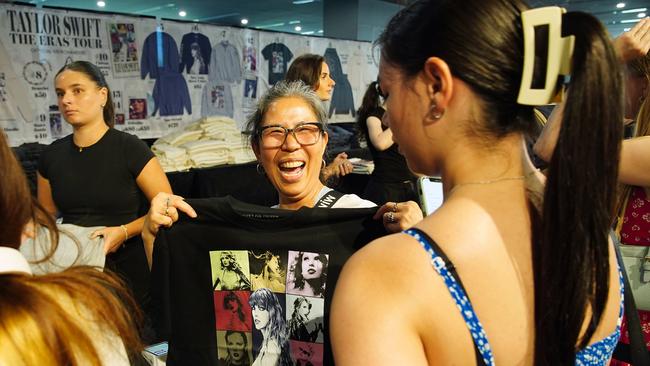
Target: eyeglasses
{"x": 305, "y": 133}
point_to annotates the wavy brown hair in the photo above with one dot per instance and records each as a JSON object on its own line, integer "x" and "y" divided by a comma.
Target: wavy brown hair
{"x": 306, "y": 68}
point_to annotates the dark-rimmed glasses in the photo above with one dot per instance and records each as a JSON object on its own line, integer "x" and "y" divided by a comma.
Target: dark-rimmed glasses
{"x": 305, "y": 133}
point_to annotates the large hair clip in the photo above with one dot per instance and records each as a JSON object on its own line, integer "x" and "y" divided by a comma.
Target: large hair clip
{"x": 558, "y": 55}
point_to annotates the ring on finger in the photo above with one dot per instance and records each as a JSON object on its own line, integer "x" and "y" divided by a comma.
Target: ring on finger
{"x": 390, "y": 217}
{"x": 167, "y": 211}
{"x": 395, "y": 207}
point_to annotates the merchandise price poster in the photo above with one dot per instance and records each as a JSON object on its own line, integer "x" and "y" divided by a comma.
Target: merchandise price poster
{"x": 163, "y": 75}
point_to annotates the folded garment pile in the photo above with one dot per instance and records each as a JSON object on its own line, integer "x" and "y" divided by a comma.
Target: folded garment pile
{"x": 205, "y": 143}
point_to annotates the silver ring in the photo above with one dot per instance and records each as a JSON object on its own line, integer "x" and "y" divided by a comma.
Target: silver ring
{"x": 395, "y": 207}
{"x": 391, "y": 217}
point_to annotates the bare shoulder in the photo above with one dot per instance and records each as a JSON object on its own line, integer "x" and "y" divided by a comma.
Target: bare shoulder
{"x": 377, "y": 304}
{"x": 394, "y": 259}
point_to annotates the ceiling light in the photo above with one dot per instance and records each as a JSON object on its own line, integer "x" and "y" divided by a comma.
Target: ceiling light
{"x": 620, "y": 5}
{"x": 626, "y": 29}
{"x": 320, "y": 31}
{"x": 630, "y": 20}
{"x": 294, "y": 22}
{"x": 299, "y": 2}
{"x": 640, "y": 15}
{"x": 308, "y": 33}
{"x": 637, "y": 10}
{"x": 182, "y": 13}
{"x": 101, "y": 4}
{"x": 298, "y": 28}
{"x": 244, "y": 21}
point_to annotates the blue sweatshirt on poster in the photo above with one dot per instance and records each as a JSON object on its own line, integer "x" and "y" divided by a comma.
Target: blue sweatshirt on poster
{"x": 159, "y": 54}
{"x": 171, "y": 95}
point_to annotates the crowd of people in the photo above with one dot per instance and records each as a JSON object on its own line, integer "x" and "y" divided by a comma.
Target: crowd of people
{"x": 516, "y": 267}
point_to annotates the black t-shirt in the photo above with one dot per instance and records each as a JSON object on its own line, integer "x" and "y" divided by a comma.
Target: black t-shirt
{"x": 278, "y": 56}
{"x": 211, "y": 274}
{"x": 390, "y": 165}
{"x": 96, "y": 185}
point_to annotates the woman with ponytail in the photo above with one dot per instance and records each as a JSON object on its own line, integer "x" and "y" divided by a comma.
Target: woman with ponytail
{"x": 632, "y": 225}
{"x": 100, "y": 176}
{"x": 515, "y": 269}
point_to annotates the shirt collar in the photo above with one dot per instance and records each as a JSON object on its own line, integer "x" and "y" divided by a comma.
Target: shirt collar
{"x": 12, "y": 260}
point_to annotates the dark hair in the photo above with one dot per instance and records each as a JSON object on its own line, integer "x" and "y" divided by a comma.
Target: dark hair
{"x": 320, "y": 283}
{"x": 232, "y": 297}
{"x": 370, "y": 103}
{"x": 231, "y": 332}
{"x": 17, "y": 205}
{"x": 95, "y": 74}
{"x": 265, "y": 299}
{"x": 570, "y": 237}
{"x": 306, "y": 68}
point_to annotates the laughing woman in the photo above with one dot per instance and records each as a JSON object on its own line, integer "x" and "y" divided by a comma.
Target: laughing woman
{"x": 288, "y": 137}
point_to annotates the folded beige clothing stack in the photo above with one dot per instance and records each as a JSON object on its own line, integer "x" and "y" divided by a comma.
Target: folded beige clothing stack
{"x": 172, "y": 158}
{"x": 177, "y": 138}
{"x": 207, "y": 153}
{"x": 241, "y": 154}
{"x": 207, "y": 142}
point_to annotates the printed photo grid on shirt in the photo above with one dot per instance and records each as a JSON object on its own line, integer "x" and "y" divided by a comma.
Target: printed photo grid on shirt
{"x": 269, "y": 306}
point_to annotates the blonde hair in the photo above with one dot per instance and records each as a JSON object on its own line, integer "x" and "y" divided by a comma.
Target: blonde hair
{"x": 55, "y": 319}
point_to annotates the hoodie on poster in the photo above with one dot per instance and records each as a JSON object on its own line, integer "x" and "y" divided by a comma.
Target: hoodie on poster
{"x": 160, "y": 60}
{"x": 342, "y": 99}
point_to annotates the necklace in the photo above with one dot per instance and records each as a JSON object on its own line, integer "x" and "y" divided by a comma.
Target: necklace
{"x": 490, "y": 181}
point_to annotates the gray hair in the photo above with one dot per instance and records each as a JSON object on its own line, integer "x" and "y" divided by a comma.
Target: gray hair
{"x": 283, "y": 89}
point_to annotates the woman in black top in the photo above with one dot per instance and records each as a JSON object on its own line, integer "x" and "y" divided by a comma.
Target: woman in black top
{"x": 391, "y": 180}
{"x": 98, "y": 175}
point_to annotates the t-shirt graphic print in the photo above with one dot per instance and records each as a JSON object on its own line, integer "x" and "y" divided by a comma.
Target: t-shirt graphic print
{"x": 252, "y": 285}
{"x": 286, "y": 306}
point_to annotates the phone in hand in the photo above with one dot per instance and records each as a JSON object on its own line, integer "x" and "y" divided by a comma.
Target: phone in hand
{"x": 430, "y": 194}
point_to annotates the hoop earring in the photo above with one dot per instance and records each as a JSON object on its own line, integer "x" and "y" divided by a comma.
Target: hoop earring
{"x": 324, "y": 164}
{"x": 435, "y": 113}
{"x": 259, "y": 169}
